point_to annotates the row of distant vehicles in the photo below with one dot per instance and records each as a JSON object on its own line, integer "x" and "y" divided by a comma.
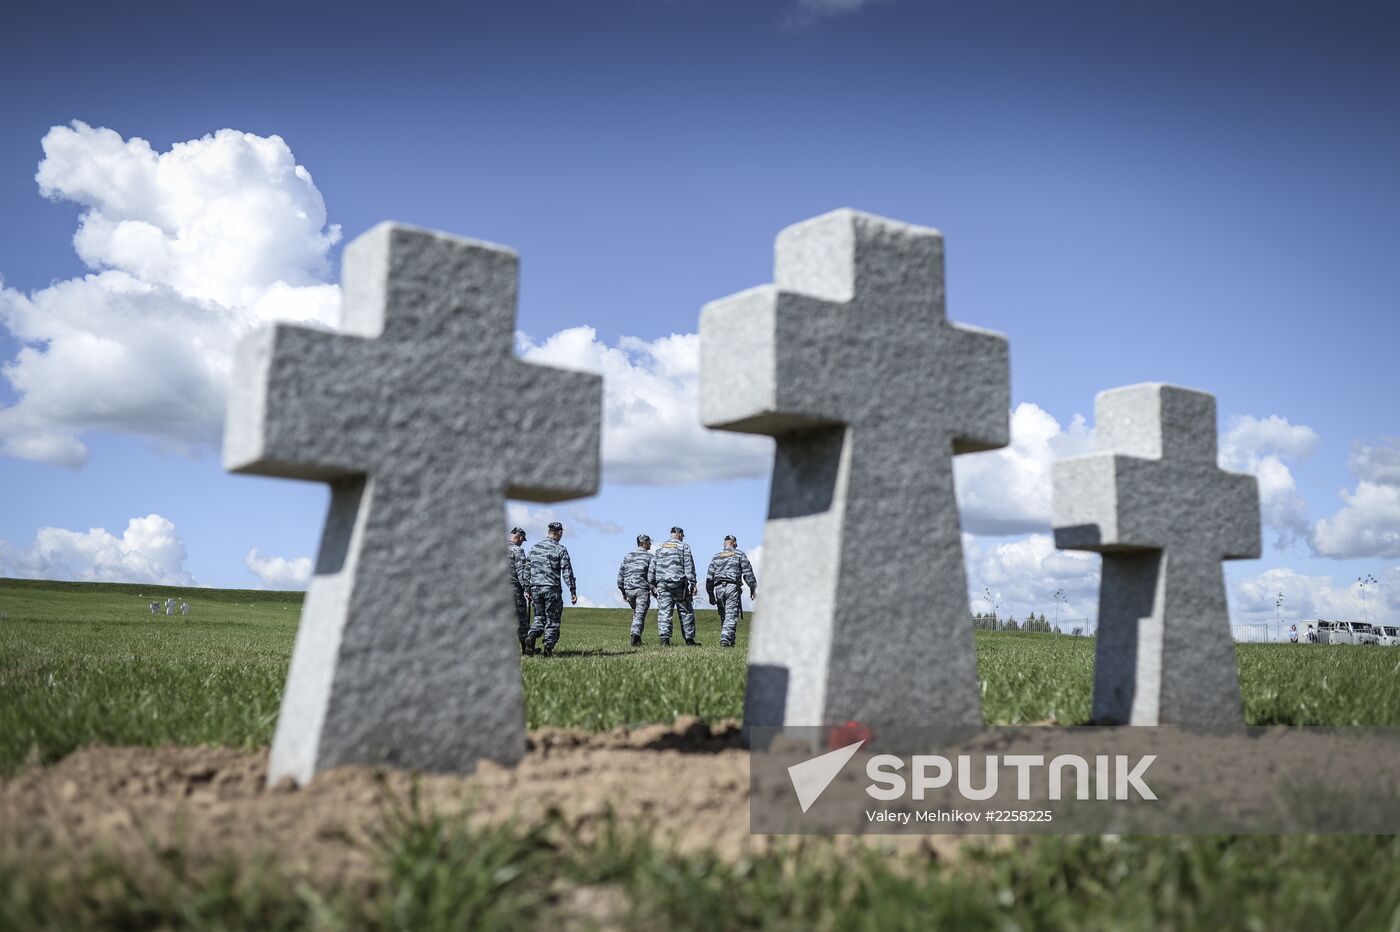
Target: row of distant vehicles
{"x": 1352, "y": 632}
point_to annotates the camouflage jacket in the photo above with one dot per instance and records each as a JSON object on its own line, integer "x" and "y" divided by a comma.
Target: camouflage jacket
{"x": 517, "y": 569}
{"x": 632, "y": 574}
{"x": 730, "y": 566}
{"x": 671, "y": 565}
{"x": 547, "y": 565}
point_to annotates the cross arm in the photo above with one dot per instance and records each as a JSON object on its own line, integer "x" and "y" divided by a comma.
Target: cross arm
{"x": 979, "y": 389}
{"x": 292, "y": 407}
{"x": 1170, "y": 502}
{"x": 555, "y": 425}
{"x": 1236, "y": 527}
{"x": 761, "y": 370}
{"x": 1109, "y": 502}
{"x": 1084, "y": 503}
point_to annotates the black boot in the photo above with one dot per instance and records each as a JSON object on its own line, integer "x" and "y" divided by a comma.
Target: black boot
{"x": 664, "y": 642}
{"x": 525, "y": 648}
{"x": 636, "y": 640}
{"x": 548, "y": 651}
{"x": 726, "y": 643}
{"x": 691, "y": 642}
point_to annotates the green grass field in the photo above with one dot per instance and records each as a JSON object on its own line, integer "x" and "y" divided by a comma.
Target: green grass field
{"x": 82, "y": 664}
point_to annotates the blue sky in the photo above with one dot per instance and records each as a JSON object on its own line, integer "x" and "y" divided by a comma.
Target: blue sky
{"x": 1200, "y": 193}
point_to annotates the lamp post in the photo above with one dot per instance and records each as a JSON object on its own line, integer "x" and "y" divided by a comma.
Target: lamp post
{"x": 1361, "y": 583}
{"x": 1278, "y": 620}
{"x": 994, "y": 603}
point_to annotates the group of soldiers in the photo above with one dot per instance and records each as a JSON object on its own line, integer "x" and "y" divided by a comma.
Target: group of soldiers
{"x": 666, "y": 574}
{"x": 170, "y": 606}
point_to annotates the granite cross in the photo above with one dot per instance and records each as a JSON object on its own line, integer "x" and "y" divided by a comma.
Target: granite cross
{"x": 1155, "y": 503}
{"x": 848, "y": 359}
{"x": 422, "y": 420}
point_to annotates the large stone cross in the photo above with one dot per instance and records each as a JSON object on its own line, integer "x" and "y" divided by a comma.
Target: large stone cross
{"x": 422, "y": 420}
{"x": 848, "y": 359}
{"x": 1155, "y": 503}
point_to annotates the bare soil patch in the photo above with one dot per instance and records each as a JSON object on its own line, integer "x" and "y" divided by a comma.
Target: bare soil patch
{"x": 686, "y": 784}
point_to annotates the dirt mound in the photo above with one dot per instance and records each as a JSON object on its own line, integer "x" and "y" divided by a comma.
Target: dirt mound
{"x": 686, "y": 784}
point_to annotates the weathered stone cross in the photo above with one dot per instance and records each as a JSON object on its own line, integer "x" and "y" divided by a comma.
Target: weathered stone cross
{"x": 1163, "y": 514}
{"x": 848, "y": 359}
{"x": 422, "y": 420}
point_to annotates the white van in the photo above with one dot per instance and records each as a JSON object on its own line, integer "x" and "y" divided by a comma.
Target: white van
{"x": 1362, "y": 633}
{"x": 1346, "y": 632}
{"x": 1333, "y": 632}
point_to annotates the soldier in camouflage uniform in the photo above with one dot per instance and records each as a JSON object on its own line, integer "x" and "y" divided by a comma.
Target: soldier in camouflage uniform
{"x": 632, "y": 581}
{"x": 672, "y": 578}
{"x": 549, "y": 564}
{"x": 728, "y": 568}
{"x": 519, "y": 585}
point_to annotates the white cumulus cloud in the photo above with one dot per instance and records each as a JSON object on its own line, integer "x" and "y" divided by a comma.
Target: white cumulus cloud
{"x": 1007, "y": 491}
{"x": 535, "y": 521}
{"x": 755, "y": 555}
{"x": 651, "y": 423}
{"x": 279, "y": 572}
{"x": 148, "y": 551}
{"x": 188, "y": 248}
{"x": 1306, "y": 597}
{"x": 1368, "y": 524}
{"x": 1262, "y": 447}
{"x": 1023, "y": 575}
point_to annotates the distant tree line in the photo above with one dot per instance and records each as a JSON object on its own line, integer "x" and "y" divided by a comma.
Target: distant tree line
{"x": 988, "y": 621}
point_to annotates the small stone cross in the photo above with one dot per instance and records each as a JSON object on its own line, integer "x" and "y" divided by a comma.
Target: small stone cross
{"x": 1163, "y": 513}
{"x": 849, "y": 360}
{"x": 422, "y": 420}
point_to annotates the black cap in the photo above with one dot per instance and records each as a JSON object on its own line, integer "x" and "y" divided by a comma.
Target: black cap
{"x": 518, "y": 530}
{"x": 555, "y": 526}
{"x": 677, "y": 530}
{"x": 731, "y": 537}
{"x": 643, "y": 539}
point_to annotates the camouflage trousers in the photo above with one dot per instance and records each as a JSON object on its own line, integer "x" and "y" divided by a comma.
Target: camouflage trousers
{"x": 640, "y": 600}
{"x": 728, "y": 599}
{"x": 549, "y": 611}
{"x": 674, "y": 599}
{"x": 522, "y": 613}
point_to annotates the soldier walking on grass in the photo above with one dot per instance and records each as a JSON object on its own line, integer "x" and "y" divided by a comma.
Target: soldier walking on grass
{"x": 672, "y": 578}
{"x": 547, "y": 566}
{"x": 728, "y": 568}
{"x": 632, "y": 581}
{"x": 519, "y": 584}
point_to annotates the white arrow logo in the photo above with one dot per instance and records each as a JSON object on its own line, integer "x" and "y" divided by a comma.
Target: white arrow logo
{"x": 811, "y": 777}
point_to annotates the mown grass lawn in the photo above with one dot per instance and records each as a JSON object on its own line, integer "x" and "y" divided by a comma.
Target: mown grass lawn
{"x": 83, "y": 664}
